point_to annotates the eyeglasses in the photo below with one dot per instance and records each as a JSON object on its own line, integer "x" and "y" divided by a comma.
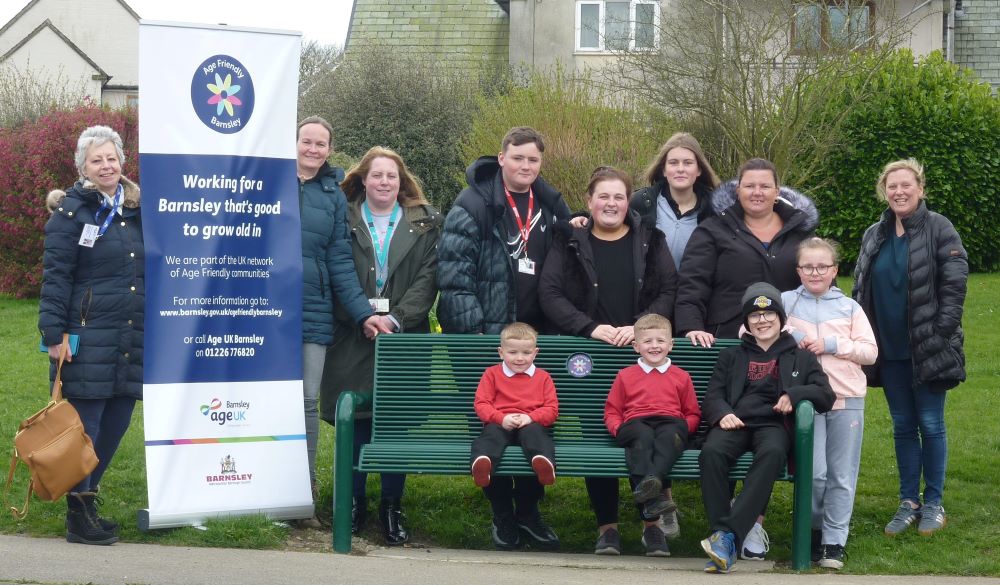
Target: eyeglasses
{"x": 821, "y": 269}
{"x": 765, "y": 316}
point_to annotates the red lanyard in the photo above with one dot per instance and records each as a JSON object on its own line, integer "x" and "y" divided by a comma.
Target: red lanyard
{"x": 525, "y": 231}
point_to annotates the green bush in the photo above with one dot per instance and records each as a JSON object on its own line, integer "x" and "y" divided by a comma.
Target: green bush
{"x": 939, "y": 114}
{"x": 406, "y": 102}
{"x": 581, "y": 130}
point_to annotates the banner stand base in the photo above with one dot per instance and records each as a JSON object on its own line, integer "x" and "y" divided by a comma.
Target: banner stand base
{"x": 148, "y": 521}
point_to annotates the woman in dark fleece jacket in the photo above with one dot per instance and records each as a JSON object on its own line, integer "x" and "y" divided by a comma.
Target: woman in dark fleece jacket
{"x": 596, "y": 282}
{"x": 754, "y": 238}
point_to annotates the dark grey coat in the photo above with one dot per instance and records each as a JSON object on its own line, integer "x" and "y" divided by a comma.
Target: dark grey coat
{"x": 475, "y": 272}
{"x": 938, "y": 276}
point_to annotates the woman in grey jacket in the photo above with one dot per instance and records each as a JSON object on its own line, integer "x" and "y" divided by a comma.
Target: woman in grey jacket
{"x": 911, "y": 280}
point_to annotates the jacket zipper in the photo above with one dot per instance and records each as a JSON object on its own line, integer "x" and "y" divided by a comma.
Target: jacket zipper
{"x": 88, "y": 298}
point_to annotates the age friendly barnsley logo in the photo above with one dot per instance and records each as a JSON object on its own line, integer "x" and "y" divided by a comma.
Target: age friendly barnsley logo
{"x": 222, "y": 94}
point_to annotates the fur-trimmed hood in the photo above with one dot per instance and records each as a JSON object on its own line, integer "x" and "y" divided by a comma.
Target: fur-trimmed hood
{"x": 725, "y": 197}
{"x": 132, "y": 194}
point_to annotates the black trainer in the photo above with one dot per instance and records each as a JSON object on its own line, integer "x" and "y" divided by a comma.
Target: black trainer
{"x": 538, "y": 531}
{"x": 505, "y": 532}
{"x": 653, "y": 509}
{"x": 833, "y": 557}
{"x": 647, "y": 489}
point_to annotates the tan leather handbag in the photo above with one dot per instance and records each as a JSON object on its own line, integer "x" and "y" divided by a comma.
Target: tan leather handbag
{"x": 54, "y": 446}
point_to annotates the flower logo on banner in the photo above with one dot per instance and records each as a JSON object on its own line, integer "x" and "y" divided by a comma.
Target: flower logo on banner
{"x": 222, "y": 94}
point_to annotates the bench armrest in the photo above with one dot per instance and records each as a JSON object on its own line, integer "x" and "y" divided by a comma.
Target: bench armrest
{"x": 805, "y": 415}
{"x": 348, "y": 404}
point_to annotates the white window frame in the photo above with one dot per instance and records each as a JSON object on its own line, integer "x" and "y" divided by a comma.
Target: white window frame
{"x": 601, "y": 17}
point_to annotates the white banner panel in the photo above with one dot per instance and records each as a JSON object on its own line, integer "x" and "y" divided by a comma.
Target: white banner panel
{"x": 224, "y": 424}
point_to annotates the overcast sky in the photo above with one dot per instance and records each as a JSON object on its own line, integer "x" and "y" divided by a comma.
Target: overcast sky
{"x": 321, "y": 20}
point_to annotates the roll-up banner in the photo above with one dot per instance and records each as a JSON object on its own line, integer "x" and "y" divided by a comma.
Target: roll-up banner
{"x": 223, "y": 413}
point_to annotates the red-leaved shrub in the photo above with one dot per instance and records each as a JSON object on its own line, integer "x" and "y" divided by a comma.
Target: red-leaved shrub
{"x": 37, "y": 158}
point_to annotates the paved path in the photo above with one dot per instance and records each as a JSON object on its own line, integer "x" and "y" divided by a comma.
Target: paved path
{"x": 26, "y": 560}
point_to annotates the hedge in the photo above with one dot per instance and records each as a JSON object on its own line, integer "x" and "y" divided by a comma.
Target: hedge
{"x": 939, "y": 114}
{"x": 38, "y": 157}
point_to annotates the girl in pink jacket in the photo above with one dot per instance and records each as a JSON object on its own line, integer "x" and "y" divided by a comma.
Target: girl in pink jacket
{"x": 832, "y": 325}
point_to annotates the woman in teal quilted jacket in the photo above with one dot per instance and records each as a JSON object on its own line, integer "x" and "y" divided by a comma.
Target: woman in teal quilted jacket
{"x": 327, "y": 268}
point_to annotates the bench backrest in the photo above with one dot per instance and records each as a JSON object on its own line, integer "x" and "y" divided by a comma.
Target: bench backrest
{"x": 425, "y": 385}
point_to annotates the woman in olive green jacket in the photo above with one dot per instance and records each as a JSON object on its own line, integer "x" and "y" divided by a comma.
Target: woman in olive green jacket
{"x": 394, "y": 234}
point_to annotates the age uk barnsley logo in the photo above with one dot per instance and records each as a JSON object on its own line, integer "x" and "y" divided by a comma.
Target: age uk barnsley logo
{"x": 234, "y": 413}
{"x": 222, "y": 94}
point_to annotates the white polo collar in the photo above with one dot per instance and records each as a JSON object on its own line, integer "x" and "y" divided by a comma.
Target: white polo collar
{"x": 511, "y": 373}
{"x": 662, "y": 368}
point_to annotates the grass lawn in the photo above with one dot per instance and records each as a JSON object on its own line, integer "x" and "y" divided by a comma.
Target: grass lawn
{"x": 451, "y": 512}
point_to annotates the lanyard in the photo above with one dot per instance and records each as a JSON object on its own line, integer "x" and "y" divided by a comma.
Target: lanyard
{"x": 381, "y": 250}
{"x": 114, "y": 208}
{"x": 525, "y": 231}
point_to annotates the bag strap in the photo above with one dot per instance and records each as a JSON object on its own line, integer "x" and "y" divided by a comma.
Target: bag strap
{"x": 57, "y": 384}
{"x": 18, "y": 514}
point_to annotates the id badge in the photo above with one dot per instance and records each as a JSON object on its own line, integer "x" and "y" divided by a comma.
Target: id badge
{"x": 379, "y": 305}
{"x": 526, "y": 265}
{"x": 89, "y": 236}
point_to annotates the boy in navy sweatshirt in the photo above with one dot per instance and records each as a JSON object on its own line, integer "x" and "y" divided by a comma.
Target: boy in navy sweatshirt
{"x": 516, "y": 401}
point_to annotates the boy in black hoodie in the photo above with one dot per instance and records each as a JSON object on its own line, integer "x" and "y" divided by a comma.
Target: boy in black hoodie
{"x": 753, "y": 390}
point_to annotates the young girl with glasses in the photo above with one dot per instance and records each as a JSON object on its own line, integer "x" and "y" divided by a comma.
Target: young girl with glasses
{"x": 824, "y": 320}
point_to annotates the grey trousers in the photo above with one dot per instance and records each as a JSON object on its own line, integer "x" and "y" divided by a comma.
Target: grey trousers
{"x": 313, "y": 360}
{"x": 836, "y": 460}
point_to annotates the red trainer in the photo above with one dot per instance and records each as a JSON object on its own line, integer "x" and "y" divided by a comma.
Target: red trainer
{"x": 481, "y": 469}
{"x": 544, "y": 469}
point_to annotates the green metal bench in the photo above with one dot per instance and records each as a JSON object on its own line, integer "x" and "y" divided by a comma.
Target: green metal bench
{"x": 423, "y": 419}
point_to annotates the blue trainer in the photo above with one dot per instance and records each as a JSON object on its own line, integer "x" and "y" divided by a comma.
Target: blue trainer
{"x": 721, "y": 548}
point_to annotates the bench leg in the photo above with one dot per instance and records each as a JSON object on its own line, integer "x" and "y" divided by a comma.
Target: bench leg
{"x": 802, "y": 490}
{"x": 343, "y": 471}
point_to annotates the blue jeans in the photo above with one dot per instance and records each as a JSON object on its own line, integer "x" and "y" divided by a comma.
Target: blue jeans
{"x": 105, "y": 421}
{"x": 918, "y": 430}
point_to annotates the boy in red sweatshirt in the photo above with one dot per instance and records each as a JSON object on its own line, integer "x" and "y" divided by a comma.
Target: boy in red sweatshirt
{"x": 516, "y": 401}
{"x": 651, "y": 410}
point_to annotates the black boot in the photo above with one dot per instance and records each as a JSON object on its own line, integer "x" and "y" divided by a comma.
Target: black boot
{"x": 390, "y": 516}
{"x": 359, "y": 514}
{"x": 81, "y": 522}
{"x": 93, "y": 500}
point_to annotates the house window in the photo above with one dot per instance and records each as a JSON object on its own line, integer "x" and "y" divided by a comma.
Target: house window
{"x": 603, "y": 25}
{"x": 833, "y": 24}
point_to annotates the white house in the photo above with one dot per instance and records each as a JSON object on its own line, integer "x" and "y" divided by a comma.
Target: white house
{"x": 93, "y": 42}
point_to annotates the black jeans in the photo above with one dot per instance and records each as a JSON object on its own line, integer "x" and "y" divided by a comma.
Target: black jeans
{"x": 518, "y": 495}
{"x": 722, "y": 448}
{"x": 652, "y": 445}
